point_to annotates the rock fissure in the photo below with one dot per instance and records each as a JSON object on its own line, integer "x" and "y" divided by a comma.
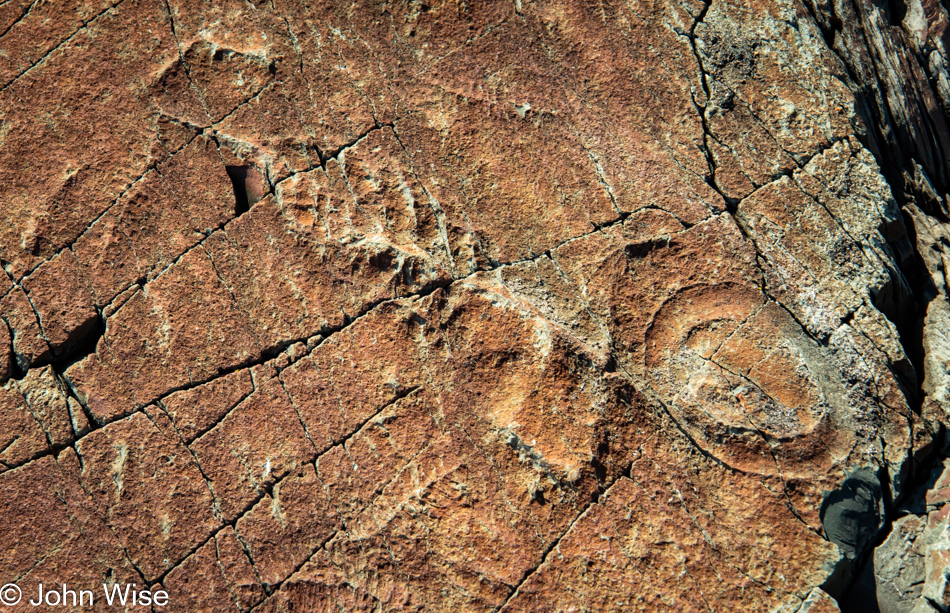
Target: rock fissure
{"x": 100, "y": 216}
{"x": 547, "y": 552}
{"x": 16, "y": 21}
{"x": 546, "y": 192}
{"x": 84, "y": 26}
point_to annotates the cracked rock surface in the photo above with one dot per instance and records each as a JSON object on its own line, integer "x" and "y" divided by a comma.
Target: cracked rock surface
{"x": 477, "y": 306}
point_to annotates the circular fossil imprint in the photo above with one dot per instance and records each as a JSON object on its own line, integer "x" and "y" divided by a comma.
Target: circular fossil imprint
{"x": 738, "y": 374}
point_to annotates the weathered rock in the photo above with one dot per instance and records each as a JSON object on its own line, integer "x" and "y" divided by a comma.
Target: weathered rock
{"x": 149, "y": 491}
{"x": 61, "y": 419}
{"x": 196, "y": 410}
{"x": 166, "y": 212}
{"x": 283, "y": 530}
{"x": 28, "y": 343}
{"x": 39, "y": 418}
{"x": 62, "y": 301}
{"x": 475, "y": 307}
{"x": 257, "y": 443}
{"x": 23, "y": 436}
{"x": 933, "y": 239}
{"x": 75, "y": 547}
{"x": 912, "y": 567}
{"x": 897, "y": 567}
{"x": 217, "y": 577}
{"x": 6, "y": 353}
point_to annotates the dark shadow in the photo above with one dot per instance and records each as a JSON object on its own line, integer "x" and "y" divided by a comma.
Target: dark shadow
{"x": 82, "y": 342}
{"x": 238, "y": 176}
{"x": 862, "y": 597}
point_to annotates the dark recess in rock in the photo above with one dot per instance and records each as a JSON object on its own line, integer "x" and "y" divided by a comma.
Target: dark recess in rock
{"x": 239, "y": 179}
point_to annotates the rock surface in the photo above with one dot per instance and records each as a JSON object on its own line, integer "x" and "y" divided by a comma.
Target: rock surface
{"x": 912, "y": 567}
{"x": 495, "y": 306}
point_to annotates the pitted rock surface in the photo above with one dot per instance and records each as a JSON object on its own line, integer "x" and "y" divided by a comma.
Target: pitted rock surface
{"x": 491, "y": 306}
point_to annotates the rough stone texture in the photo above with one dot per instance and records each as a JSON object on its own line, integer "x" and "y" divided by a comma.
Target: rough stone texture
{"x": 508, "y": 305}
{"x": 42, "y": 417}
{"x": 912, "y": 567}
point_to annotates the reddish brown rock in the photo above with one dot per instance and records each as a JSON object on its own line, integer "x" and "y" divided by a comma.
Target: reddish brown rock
{"x": 61, "y": 420}
{"x": 86, "y": 67}
{"x": 63, "y": 302}
{"x": 358, "y": 470}
{"x": 195, "y": 411}
{"x": 28, "y": 343}
{"x": 39, "y": 418}
{"x": 162, "y": 215}
{"x": 217, "y": 576}
{"x": 77, "y": 548}
{"x": 149, "y": 491}
{"x": 258, "y": 442}
{"x": 319, "y": 586}
{"x": 23, "y": 436}
{"x": 6, "y": 353}
{"x": 474, "y": 307}
{"x": 123, "y": 376}
{"x": 284, "y": 529}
